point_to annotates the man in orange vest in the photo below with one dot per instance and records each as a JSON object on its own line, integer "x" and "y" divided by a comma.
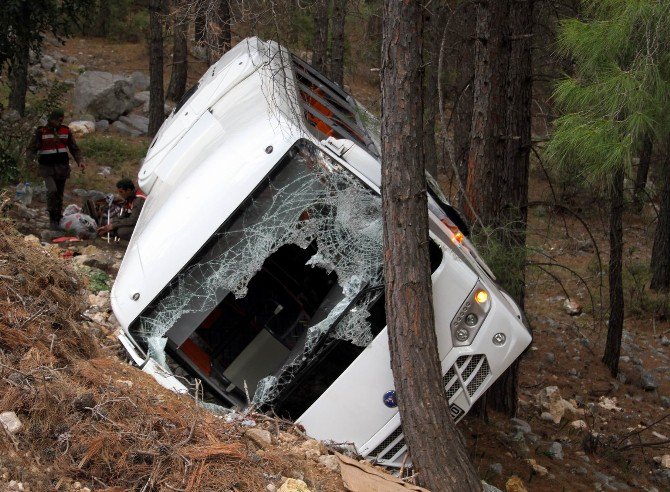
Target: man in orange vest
{"x": 51, "y": 143}
{"x": 123, "y": 225}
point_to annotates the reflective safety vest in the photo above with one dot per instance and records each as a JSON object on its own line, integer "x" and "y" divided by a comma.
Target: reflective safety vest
{"x": 53, "y": 142}
{"x": 128, "y": 205}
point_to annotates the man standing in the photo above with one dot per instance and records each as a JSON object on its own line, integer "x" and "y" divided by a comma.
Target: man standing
{"x": 131, "y": 207}
{"x": 51, "y": 144}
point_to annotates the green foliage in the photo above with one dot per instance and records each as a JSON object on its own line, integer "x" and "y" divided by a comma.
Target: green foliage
{"x": 507, "y": 262}
{"x": 112, "y": 151}
{"x": 23, "y": 24}
{"x": 16, "y": 133}
{"x": 620, "y": 91}
{"x": 98, "y": 280}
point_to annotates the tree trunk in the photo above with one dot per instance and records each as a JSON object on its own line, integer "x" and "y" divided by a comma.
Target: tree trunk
{"x": 320, "y": 48}
{"x": 200, "y": 27}
{"x": 178, "y": 77}
{"x": 615, "y": 326}
{"x": 19, "y": 79}
{"x": 660, "y": 253}
{"x": 337, "y": 46}
{"x": 465, "y": 25}
{"x": 430, "y": 59}
{"x": 642, "y": 173}
{"x": 225, "y": 36}
{"x": 156, "y": 97}
{"x": 498, "y": 162}
{"x": 101, "y": 23}
{"x": 436, "y": 447}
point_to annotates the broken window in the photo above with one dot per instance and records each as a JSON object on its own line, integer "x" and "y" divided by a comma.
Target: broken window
{"x": 298, "y": 263}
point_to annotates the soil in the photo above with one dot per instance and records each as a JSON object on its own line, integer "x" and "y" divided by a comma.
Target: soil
{"x": 625, "y": 430}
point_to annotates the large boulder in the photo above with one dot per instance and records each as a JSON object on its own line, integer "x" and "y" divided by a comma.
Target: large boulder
{"x": 139, "y": 80}
{"x": 124, "y": 129}
{"x": 104, "y": 95}
{"x": 82, "y": 127}
{"x": 136, "y": 121}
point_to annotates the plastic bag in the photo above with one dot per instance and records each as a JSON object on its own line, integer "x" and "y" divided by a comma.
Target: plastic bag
{"x": 81, "y": 225}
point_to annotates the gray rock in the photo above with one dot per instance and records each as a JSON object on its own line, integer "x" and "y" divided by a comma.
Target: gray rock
{"x": 532, "y": 438}
{"x": 142, "y": 99}
{"x": 624, "y": 358}
{"x": 10, "y": 421}
{"x": 550, "y": 357}
{"x": 487, "y": 487}
{"x": 621, "y": 377}
{"x": 125, "y": 129}
{"x": 496, "y": 468}
{"x": 618, "y": 486}
{"x": 580, "y": 470}
{"x": 136, "y": 121}
{"x": 556, "y": 450}
{"x": 665, "y": 401}
{"x": 637, "y": 361}
{"x": 521, "y": 425}
{"x": 602, "y": 478}
{"x": 648, "y": 381}
{"x": 48, "y": 62}
{"x": 10, "y": 115}
{"x": 102, "y": 126}
{"x": 665, "y": 341}
{"x": 104, "y": 95}
{"x": 139, "y": 81}
{"x": 572, "y": 372}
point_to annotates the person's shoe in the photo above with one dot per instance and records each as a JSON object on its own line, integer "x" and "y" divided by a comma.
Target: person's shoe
{"x": 54, "y": 225}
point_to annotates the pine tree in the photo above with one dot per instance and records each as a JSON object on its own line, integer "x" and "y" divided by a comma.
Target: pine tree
{"x": 616, "y": 100}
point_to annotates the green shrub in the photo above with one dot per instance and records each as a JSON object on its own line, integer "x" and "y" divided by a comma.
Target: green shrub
{"x": 112, "y": 150}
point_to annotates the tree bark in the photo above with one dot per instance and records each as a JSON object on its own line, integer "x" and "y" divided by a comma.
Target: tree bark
{"x": 19, "y": 79}
{"x": 660, "y": 253}
{"x": 337, "y": 46}
{"x": 642, "y": 172}
{"x": 430, "y": 105}
{"x": 156, "y": 94}
{"x": 500, "y": 143}
{"x": 615, "y": 325}
{"x": 465, "y": 20}
{"x": 320, "y": 48}
{"x": 436, "y": 447}
{"x": 179, "y": 74}
{"x": 225, "y": 36}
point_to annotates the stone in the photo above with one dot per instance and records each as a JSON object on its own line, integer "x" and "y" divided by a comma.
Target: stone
{"x": 580, "y": 470}
{"x": 20, "y": 211}
{"x": 550, "y": 400}
{"x": 142, "y": 99}
{"x": 10, "y": 421}
{"x": 665, "y": 401}
{"x": 648, "y": 381}
{"x": 537, "y": 468}
{"x": 331, "y": 462}
{"x": 47, "y": 62}
{"x": 82, "y": 127}
{"x": 10, "y": 115}
{"x": 136, "y": 121}
{"x": 624, "y": 358}
{"x": 515, "y": 484}
{"x": 125, "y": 129}
{"x": 555, "y": 451}
{"x": 294, "y": 485}
{"x": 311, "y": 448}
{"x": 547, "y": 417}
{"x": 665, "y": 461}
{"x": 572, "y": 308}
{"x": 139, "y": 81}
{"x": 496, "y": 468}
{"x": 550, "y": 357}
{"x": 271, "y": 488}
{"x": 102, "y": 94}
{"x": 102, "y": 126}
{"x": 31, "y": 239}
{"x": 487, "y": 487}
{"x": 261, "y": 437}
{"x": 521, "y": 425}
{"x": 609, "y": 404}
{"x": 665, "y": 341}
{"x": 578, "y": 424}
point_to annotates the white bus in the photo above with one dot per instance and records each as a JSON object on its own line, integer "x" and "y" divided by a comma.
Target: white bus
{"x": 256, "y": 265}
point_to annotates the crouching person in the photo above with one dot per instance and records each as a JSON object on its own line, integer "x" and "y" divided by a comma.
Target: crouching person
{"x": 122, "y": 226}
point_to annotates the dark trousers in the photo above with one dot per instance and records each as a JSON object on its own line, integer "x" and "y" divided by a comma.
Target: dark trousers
{"x": 55, "y": 169}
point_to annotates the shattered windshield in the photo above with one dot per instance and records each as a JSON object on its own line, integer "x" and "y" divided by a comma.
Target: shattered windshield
{"x": 276, "y": 280}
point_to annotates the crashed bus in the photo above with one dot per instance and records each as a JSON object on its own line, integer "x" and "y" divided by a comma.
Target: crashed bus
{"x": 257, "y": 267}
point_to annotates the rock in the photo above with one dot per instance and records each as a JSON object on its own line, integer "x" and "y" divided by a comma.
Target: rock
{"x": 556, "y": 450}
{"x": 609, "y": 403}
{"x": 521, "y": 425}
{"x": 125, "y": 129}
{"x": 30, "y": 239}
{"x": 648, "y": 382}
{"x": 102, "y": 126}
{"x": 81, "y": 127}
{"x": 47, "y": 62}
{"x": 136, "y": 121}
{"x": 578, "y": 424}
{"x": 665, "y": 461}
{"x": 139, "y": 81}
{"x": 294, "y": 485}
{"x": 514, "y": 484}
{"x": 621, "y": 377}
{"x": 496, "y": 468}
{"x": 10, "y": 115}
{"x": 20, "y": 211}
{"x": 550, "y": 400}
{"x": 142, "y": 99}
{"x": 311, "y": 448}
{"x": 487, "y": 487}
{"x": 547, "y": 417}
{"x": 10, "y": 421}
{"x": 261, "y": 437}
{"x": 103, "y": 95}
{"x": 665, "y": 341}
{"x": 331, "y": 462}
{"x": 572, "y": 307}
{"x": 539, "y": 469}
{"x": 271, "y": 488}
{"x": 624, "y": 358}
{"x": 637, "y": 361}
{"x": 665, "y": 401}
{"x": 580, "y": 470}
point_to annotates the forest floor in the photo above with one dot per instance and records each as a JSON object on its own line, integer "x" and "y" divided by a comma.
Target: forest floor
{"x": 91, "y": 420}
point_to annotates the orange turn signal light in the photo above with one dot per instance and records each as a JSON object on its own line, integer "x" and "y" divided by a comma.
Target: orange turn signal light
{"x": 481, "y": 296}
